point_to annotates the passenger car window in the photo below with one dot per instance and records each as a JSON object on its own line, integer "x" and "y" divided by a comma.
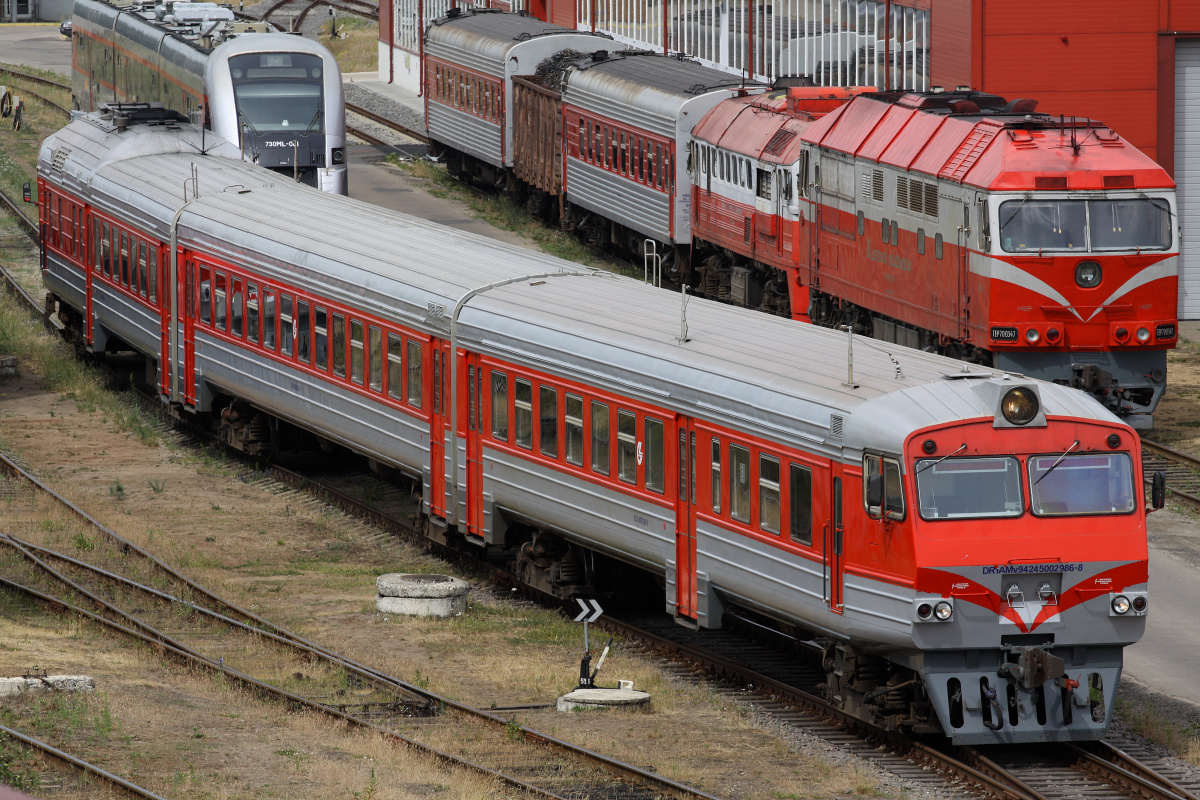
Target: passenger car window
{"x": 395, "y": 369}
{"x": 285, "y": 324}
{"x": 321, "y": 340}
{"x": 626, "y": 446}
{"x": 768, "y": 493}
{"x": 716, "y": 475}
{"x": 739, "y": 483}
{"x": 548, "y": 421}
{"x": 523, "y": 413}
{"x": 268, "y": 319}
{"x": 600, "y": 441}
{"x": 375, "y": 357}
{"x": 338, "y": 343}
{"x": 302, "y": 329}
{"x": 414, "y": 374}
{"x": 800, "y": 504}
{"x": 500, "y": 406}
{"x": 252, "y": 312}
{"x": 574, "y": 427}
{"x": 356, "y": 351}
{"x": 656, "y": 474}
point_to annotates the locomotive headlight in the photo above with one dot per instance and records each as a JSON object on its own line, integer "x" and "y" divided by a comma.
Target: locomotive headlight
{"x": 1088, "y": 274}
{"x": 1139, "y": 603}
{"x": 1143, "y": 335}
{"x": 1032, "y": 335}
{"x": 1019, "y": 405}
{"x": 338, "y": 155}
{"x": 924, "y": 611}
{"x": 943, "y": 610}
{"x": 1120, "y": 604}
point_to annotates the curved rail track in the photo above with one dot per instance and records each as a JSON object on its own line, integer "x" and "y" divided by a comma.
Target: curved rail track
{"x": 358, "y": 8}
{"x": 1097, "y": 770}
{"x": 68, "y": 760}
{"x": 24, "y": 76}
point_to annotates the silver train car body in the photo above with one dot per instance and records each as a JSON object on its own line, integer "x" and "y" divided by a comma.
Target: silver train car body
{"x": 278, "y": 97}
{"x": 864, "y": 580}
{"x": 471, "y": 58}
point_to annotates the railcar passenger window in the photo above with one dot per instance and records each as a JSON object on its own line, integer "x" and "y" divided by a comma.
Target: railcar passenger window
{"x": 395, "y": 367}
{"x": 205, "y": 296}
{"x": 716, "y": 476}
{"x": 655, "y": 444}
{"x": 768, "y": 493}
{"x": 548, "y": 421}
{"x": 739, "y": 483}
{"x": 471, "y": 396}
{"x": 375, "y": 358}
{"x": 356, "y": 351}
{"x": 338, "y": 343}
{"x": 235, "y": 307}
{"x": 414, "y": 374}
{"x": 302, "y": 326}
{"x": 600, "y": 440}
{"x": 285, "y": 324}
{"x": 626, "y": 446}
{"x": 500, "y": 406}
{"x": 219, "y": 293}
{"x": 800, "y": 504}
{"x": 321, "y": 340}
{"x": 125, "y": 259}
{"x": 95, "y": 246}
{"x": 523, "y": 413}
{"x": 142, "y": 268}
{"x": 252, "y": 312}
{"x": 106, "y": 252}
{"x": 574, "y": 426}
{"x": 268, "y": 315}
{"x": 153, "y": 274}
{"x": 692, "y": 462}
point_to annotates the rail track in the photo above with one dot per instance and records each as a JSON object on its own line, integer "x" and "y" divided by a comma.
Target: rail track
{"x": 24, "y": 76}
{"x": 91, "y": 770}
{"x": 358, "y": 8}
{"x": 384, "y": 121}
{"x": 1182, "y": 471}
{"x": 193, "y": 624}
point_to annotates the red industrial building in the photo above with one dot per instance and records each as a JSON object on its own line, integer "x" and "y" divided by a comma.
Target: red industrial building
{"x": 1134, "y": 64}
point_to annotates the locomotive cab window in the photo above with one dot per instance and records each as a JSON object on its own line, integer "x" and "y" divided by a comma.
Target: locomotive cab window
{"x": 764, "y": 184}
{"x": 1084, "y": 484}
{"x": 887, "y": 474}
{"x": 956, "y": 488}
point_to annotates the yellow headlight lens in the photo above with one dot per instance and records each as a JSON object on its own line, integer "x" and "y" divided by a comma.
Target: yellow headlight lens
{"x": 1019, "y": 406}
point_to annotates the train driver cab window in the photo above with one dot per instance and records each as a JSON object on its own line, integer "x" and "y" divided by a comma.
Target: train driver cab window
{"x": 395, "y": 369}
{"x": 764, "y": 184}
{"x": 548, "y": 421}
{"x": 600, "y": 440}
{"x": 320, "y": 340}
{"x": 205, "y": 295}
{"x": 285, "y": 324}
{"x": 375, "y": 358}
{"x": 500, "y": 406}
{"x": 356, "y": 351}
{"x": 338, "y": 344}
{"x": 414, "y": 374}
{"x": 523, "y": 413}
{"x": 574, "y": 427}
{"x": 268, "y": 315}
{"x": 252, "y": 312}
{"x": 716, "y": 475}
{"x": 739, "y": 483}
{"x": 886, "y": 471}
{"x": 626, "y": 446}
{"x": 768, "y": 493}
{"x": 655, "y": 444}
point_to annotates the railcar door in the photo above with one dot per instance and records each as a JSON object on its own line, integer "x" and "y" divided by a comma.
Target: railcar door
{"x": 685, "y": 519}
{"x": 835, "y": 530}
{"x": 439, "y": 426}
{"x": 162, "y": 269}
{"x": 91, "y": 263}
{"x": 190, "y": 311}
{"x": 474, "y": 434}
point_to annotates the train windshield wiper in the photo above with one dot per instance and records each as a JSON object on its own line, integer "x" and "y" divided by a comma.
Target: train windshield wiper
{"x": 1056, "y": 463}
{"x": 316, "y": 118}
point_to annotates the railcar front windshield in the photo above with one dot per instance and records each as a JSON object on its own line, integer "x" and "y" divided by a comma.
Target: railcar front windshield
{"x": 1093, "y": 483}
{"x": 1085, "y": 225}
{"x": 279, "y": 92}
{"x": 969, "y": 487}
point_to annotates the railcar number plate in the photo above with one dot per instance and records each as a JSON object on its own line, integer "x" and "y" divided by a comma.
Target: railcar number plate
{"x": 1026, "y": 569}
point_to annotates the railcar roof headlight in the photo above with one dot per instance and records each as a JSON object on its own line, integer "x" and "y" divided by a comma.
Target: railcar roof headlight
{"x": 1120, "y": 604}
{"x": 943, "y": 610}
{"x": 1019, "y": 405}
{"x": 1087, "y": 274}
{"x": 924, "y": 611}
{"x": 1143, "y": 335}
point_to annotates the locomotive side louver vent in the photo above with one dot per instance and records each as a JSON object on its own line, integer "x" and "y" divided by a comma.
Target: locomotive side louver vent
{"x": 931, "y": 200}
{"x": 917, "y": 196}
{"x": 60, "y": 158}
{"x": 835, "y": 426}
{"x": 872, "y": 186}
{"x": 779, "y": 142}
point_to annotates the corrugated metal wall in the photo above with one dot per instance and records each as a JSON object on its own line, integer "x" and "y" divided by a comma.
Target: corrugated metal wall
{"x": 1187, "y": 172}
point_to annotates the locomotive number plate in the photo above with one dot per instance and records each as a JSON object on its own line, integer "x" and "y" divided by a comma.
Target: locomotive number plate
{"x": 1003, "y": 334}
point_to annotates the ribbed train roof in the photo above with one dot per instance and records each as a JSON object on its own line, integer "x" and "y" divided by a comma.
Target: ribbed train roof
{"x": 762, "y": 373}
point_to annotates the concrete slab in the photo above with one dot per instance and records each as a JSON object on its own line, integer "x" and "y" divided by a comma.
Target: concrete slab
{"x": 594, "y": 699}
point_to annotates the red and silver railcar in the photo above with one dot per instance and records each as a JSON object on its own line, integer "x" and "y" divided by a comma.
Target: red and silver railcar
{"x": 971, "y": 544}
{"x": 953, "y": 221}
{"x": 471, "y": 57}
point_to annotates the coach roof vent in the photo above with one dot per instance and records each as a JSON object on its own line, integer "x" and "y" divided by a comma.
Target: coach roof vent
{"x": 835, "y": 426}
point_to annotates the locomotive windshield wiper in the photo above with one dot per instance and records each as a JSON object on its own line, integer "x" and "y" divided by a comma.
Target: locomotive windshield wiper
{"x": 1056, "y": 463}
{"x": 961, "y": 447}
{"x": 246, "y": 121}
{"x": 316, "y": 118}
